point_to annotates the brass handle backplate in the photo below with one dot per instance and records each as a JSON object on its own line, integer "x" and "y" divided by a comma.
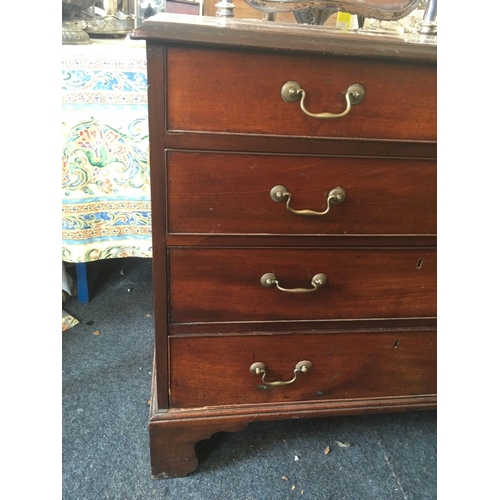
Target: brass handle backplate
{"x": 291, "y": 91}
{"x": 259, "y": 368}
{"x": 269, "y": 279}
{"x": 280, "y": 193}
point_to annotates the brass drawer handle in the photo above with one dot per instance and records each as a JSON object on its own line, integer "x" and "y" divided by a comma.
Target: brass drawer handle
{"x": 269, "y": 279}
{"x": 260, "y": 369}
{"x": 291, "y": 91}
{"x": 280, "y": 193}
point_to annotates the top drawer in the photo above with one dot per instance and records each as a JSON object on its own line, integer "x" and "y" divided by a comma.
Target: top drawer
{"x": 219, "y": 90}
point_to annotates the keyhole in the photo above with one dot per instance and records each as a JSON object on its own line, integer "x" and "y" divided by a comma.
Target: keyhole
{"x": 395, "y": 346}
{"x": 419, "y": 263}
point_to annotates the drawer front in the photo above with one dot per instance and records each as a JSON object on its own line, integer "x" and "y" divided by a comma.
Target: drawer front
{"x": 224, "y": 284}
{"x": 244, "y": 95}
{"x": 230, "y": 193}
{"x": 210, "y": 371}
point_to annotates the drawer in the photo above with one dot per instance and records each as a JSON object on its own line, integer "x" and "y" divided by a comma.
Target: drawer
{"x": 244, "y": 95}
{"x": 210, "y": 371}
{"x": 230, "y": 193}
{"x": 224, "y": 284}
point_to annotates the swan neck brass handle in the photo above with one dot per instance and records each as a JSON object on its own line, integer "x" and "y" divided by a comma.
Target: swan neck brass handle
{"x": 291, "y": 91}
{"x": 280, "y": 193}
{"x": 259, "y": 368}
{"x": 269, "y": 279}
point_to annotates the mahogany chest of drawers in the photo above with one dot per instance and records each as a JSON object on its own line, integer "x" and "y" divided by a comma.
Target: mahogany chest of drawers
{"x": 293, "y": 178}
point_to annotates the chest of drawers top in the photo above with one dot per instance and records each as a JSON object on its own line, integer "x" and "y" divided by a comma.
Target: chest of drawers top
{"x": 225, "y": 80}
{"x": 253, "y": 34}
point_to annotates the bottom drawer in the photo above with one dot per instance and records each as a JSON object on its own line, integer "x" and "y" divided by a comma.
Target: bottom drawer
{"x": 211, "y": 371}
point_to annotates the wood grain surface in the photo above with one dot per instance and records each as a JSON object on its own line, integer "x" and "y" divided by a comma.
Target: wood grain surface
{"x": 244, "y": 95}
{"x": 216, "y": 371}
{"x": 229, "y": 193}
{"x": 223, "y": 285}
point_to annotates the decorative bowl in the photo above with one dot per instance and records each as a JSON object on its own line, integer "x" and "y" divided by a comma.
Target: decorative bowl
{"x": 72, "y": 32}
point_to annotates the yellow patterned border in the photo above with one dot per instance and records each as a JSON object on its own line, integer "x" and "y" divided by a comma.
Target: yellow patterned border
{"x": 106, "y": 232}
{"x": 76, "y": 207}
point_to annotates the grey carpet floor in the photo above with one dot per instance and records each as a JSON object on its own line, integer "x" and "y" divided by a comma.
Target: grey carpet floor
{"x": 106, "y": 382}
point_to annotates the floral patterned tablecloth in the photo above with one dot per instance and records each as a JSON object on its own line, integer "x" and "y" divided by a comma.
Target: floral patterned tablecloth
{"x": 105, "y": 151}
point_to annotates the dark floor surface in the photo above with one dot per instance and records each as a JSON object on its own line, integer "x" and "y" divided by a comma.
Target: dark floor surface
{"x": 105, "y": 449}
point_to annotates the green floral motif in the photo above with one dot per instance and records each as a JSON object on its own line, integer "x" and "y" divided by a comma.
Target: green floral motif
{"x": 107, "y": 220}
{"x": 100, "y": 160}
